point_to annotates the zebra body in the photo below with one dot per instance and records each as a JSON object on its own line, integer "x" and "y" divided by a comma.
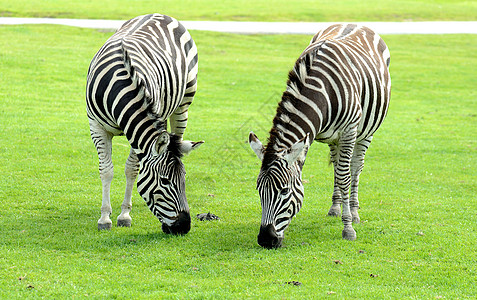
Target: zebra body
{"x": 337, "y": 93}
{"x": 142, "y": 77}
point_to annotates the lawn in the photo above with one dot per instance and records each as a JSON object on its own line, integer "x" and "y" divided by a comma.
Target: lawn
{"x": 246, "y": 10}
{"x": 418, "y": 233}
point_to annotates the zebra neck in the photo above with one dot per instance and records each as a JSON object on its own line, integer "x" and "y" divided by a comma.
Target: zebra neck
{"x": 281, "y": 139}
{"x": 143, "y": 143}
{"x": 290, "y": 124}
{"x": 141, "y": 128}
{"x": 136, "y": 118}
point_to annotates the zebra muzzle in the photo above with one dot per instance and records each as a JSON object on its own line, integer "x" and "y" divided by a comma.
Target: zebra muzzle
{"x": 180, "y": 226}
{"x": 268, "y": 237}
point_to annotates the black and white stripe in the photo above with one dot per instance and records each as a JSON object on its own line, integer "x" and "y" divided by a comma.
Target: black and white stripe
{"x": 337, "y": 93}
{"x": 142, "y": 77}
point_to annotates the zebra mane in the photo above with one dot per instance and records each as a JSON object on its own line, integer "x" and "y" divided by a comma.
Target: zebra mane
{"x": 275, "y": 135}
{"x": 296, "y": 77}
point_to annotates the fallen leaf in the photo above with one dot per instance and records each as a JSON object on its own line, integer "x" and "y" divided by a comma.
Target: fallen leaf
{"x": 331, "y": 293}
{"x": 420, "y": 233}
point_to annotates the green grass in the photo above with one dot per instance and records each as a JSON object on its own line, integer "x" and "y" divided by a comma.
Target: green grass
{"x": 420, "y": 177}
{"x": 246, "y": 10}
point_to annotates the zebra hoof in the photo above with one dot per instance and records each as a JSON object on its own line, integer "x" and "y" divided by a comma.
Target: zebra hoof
{"x": 106, "y": 226}
{"x": 124, "y": 223}
{"x": 355, "y": 215}
{"x": 333, "y": 212}
{"x": 349, "y": 234}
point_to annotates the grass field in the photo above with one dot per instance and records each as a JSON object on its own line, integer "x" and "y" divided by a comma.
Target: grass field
{"x": 246, "y": 10}
{"x": 418, "y": 233}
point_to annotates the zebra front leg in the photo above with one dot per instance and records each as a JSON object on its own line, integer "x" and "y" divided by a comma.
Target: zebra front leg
{"x": 342, "y": 173}
{"x": 357, "y": 164}
{"x": 335, "y": 210}
{"x": 103, "y": 142}
{"x": 131, "y": 170}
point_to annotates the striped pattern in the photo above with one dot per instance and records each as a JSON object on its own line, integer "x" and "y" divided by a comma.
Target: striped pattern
{"x": 337, "y": 93}
{"x": 144, "y": 76}
{"x": 279, "y": 209}
{"x": 172, "y": 186}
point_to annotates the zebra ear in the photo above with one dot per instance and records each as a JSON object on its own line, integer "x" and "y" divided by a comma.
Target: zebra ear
{"x": 297, "y": 151}
{"x": 256, "y": 145}
{"x": 161, "y": 143}
{"x": 188, "y": 146}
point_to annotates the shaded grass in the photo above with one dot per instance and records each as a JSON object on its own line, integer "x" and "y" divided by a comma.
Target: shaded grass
{"x": 418, "y": 234}
{"x": 244, "y": 10}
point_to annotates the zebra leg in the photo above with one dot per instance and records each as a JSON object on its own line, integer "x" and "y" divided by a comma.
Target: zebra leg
{"x": 357, "y": 164}
{"x": 335, "y": 209}
{"x": 103, "y": 142}
{"x": 131, "y": 170}
{"x": 346, "y": 146}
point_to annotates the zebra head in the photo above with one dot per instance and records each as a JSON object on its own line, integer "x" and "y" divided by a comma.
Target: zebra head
{"x": 280, "y": 188}
{"x": 161, "y": 182}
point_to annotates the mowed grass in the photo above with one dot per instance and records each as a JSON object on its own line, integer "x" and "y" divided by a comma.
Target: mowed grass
{"x": 246, "y": 10}
{"x": 418, "y": 234}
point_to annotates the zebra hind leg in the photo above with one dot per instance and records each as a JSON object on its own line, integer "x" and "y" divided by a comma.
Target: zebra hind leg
{"x": 103, "y": 142}
{"x": 343, "y": 176}
{"x": 335, "y": 209}
{"x": 131, "y": 170}
{"x": 357, "y": 164}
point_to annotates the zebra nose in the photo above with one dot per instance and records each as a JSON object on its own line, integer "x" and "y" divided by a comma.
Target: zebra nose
{"x": 268, "y": 237}
{"x": 180, "y": 226}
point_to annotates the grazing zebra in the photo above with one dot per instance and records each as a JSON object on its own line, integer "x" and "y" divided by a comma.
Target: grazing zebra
{"x": 144, "y": 75}
{"x": 337, "y": 93}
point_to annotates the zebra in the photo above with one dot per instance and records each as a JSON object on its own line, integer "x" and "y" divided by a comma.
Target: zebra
{"x": 143, "y": 76}
{"x": 337, "y": 93}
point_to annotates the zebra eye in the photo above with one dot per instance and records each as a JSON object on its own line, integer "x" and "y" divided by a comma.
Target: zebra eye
{"x": 164, "y": 181}
{"x": 285, "y": 191}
